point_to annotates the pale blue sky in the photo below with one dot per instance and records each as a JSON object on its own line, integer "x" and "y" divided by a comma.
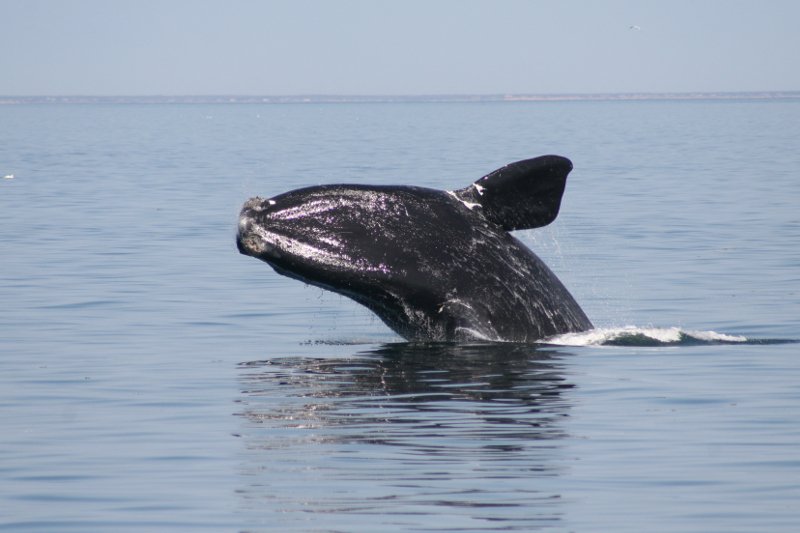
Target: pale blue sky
{"x": 274, "y": 47}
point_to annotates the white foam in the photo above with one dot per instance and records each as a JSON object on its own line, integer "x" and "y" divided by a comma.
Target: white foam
{"x": 601, "y": 336}
{"x": 712, "y": 336}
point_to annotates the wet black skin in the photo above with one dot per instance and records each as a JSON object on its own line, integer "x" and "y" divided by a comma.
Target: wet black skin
{"x": 433, "y": 265}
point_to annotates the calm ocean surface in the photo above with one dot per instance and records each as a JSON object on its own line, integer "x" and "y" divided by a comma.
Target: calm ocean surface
{"x": 153, "y": 379}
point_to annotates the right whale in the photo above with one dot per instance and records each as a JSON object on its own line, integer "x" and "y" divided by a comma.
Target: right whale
{"x": 433, "y": 265}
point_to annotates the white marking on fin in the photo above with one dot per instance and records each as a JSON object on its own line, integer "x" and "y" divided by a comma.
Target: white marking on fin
{"x": 271, "y": 202}
{"x": 470, "y": 205}
{"x": 478, "y": 188}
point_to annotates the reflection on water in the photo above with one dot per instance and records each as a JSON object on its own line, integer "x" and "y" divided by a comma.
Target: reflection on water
{"x": 457, "y": 437}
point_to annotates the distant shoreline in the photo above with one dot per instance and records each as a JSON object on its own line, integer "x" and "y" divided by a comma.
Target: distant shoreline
{"x": 349, "y": 99}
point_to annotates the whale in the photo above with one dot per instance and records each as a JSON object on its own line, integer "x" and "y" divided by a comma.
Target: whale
{"x": 433, "y": 265}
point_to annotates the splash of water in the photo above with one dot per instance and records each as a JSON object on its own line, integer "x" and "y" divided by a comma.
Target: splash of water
{"x": 643, "y": 336}
{"x": 634, "y": 336}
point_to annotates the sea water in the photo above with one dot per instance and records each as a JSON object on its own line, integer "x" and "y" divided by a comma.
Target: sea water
{"x": 151, "y": 378}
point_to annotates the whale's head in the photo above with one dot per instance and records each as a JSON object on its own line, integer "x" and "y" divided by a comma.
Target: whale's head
{"x": 362, "y": 241}
{"x": 410, "y": 254}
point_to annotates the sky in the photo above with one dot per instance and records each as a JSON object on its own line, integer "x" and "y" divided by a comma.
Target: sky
{"x": 396, "y": 47}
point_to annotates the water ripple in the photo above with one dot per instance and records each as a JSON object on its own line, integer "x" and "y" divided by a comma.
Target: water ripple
{"x": 458, "y": 431}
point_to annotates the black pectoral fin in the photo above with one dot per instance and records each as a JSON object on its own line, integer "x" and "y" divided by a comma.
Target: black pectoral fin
{"x": 522, "y": 195}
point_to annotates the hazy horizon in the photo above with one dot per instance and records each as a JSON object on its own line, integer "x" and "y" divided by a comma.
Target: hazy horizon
{"x": 509, "y": 95}
{"x": 414, "y": 48}
{"x": 379, "y": 98}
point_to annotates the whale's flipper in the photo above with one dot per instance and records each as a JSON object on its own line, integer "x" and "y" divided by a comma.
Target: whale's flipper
{"x": 522, "y": 195}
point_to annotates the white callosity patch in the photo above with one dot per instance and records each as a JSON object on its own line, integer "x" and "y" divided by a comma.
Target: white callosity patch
{"x": 255, "y": 204}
